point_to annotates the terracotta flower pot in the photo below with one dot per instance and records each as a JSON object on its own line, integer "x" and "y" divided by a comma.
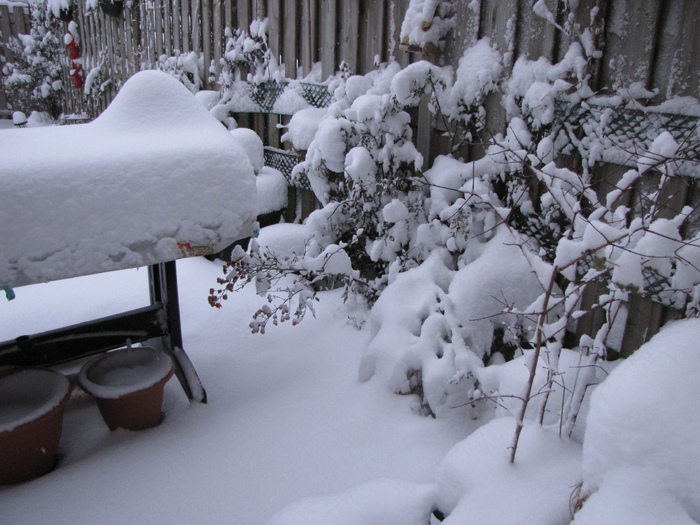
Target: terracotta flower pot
{"x": 32, "y": 402}
{"x": 128, "y": 386}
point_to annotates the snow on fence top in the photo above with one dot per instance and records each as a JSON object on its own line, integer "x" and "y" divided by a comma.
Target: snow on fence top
{"x": 154, "y": 178}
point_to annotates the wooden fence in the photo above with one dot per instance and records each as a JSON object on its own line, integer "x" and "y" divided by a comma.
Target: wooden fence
{"x": 15, "y": 19}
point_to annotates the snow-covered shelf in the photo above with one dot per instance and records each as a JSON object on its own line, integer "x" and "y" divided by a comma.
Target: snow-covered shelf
{"x": 621, "y": 132}
{"x": 155, "y": 178}
{"x": 285, "y": 161}
{"x": 283, "y": 97}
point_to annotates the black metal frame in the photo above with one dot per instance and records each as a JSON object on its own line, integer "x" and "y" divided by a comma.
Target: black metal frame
{"x": 158, "y": 323}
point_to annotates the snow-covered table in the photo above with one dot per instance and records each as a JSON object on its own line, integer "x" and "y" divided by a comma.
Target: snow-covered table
{"x": 154, "y": 179}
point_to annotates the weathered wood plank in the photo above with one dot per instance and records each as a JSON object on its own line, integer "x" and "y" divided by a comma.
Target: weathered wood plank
{"x": 535, "y": 36}
{"x": 217, "y": 37}
{"x": 6, "y": 30}
{"x": 135, "y": 28}
{"x": 372, "y": 36}
{"x": 308, "y": 35}
{"x": 243, "y": 14}
{"x": 290, "y": 45}
{"x": 195, "y": 25}
{"x": 176, "y": 28}
{"x": 465, "y": 34}
{"x": 185, "y": 24}
{"x": 328, "y": 26}
{"x": 630, "y": 35}
{"x": 167, "y": 28}
{"x": 229, "y": 15}
{"x": 643, "y": 321}
{"x": 158, "y": 40}
{"x": 207, "y": 40}
{"x": 274, "y": 28}
{"x": 676, "y": 69}
{"x": 349, "y": 33}
{"x": 401, "y": 56}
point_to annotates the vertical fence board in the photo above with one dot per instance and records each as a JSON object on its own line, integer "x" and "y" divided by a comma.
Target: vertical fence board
{"x": 167, "y": 28}
{"x": 630, "y": 37}
{"x": 229, "y": 18}
{"x": 135, "y": 28}
{"x": 372, "y": 37}
{"x": 195, "y": 25}
{"x": 307, "y": 35}
{"x": 401, "y": 56}
{"x": 6, "y": 29}
{"x": 119, "y": 33}
{"x": 465, "y": 34}
{"x": 243, "y": 14}
{"x": 207, "y": 41}
{"x": 536, "y": 36}
{"x": 676, "y": 70}
{"x": 290, "y": 45}
{"x": 217, "y": 37}
{"x": 349, "y": 33}
{"x": 159, "y": 30}
{"x": 274, "y": 27}
{"x": 327, "y": 25}
{"x": 185, "y": 25}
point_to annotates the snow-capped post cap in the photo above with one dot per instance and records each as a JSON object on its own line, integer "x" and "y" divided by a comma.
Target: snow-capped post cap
{"x": 19, "y": 119}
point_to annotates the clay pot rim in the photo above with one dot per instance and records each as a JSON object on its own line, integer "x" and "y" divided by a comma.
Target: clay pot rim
{"x": 160, "y": 370}
{"x": 57, "y": 392}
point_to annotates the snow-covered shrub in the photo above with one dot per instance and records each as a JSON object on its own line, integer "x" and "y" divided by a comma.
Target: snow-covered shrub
{"x": 427, "y": 22}
{"x": 488, "y": 259}
{"x": 188, "y": 68}
{"x": 248, "y": 57}
{"x": 33, "y": 81}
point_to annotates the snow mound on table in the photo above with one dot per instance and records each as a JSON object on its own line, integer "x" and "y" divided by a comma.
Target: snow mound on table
{"x": 477, "y": 483}
{"x": 379, "y": 502}
{"x": 642, "y": 433}
{"x": 252, "y": 145}
{"x": 154, "y": 178}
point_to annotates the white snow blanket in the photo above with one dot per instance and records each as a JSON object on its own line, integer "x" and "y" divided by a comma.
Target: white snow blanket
{"x": 155, "y": 178}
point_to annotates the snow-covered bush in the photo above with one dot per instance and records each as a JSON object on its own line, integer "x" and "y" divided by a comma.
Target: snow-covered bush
{"x": 248, "y": 56}
{"x": 188, "y": 68}
{"x": 489, "y": 259}
{"x": 33, "y": 81}
{"x": 427, "y": 22}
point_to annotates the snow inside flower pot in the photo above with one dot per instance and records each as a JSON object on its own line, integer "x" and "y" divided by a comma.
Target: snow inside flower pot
{"x": 128, "y": 386}
{"x": 32, "y": 402}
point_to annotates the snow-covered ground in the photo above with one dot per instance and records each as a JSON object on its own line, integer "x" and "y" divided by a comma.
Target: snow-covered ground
{"x": 291, "y": 436}
{"x": 287, "y": 417}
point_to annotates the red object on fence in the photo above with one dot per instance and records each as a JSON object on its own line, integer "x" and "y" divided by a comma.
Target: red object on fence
{"x": 73, "y": 50}
{"x": 77, "y": 75}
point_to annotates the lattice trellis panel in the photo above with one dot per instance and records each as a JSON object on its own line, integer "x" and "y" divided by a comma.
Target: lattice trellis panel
{"x": 623, "y": 134}
{"x": 265, "y": 95}
{"x": 284, "y": 161}
{"x": 317, "y": 95}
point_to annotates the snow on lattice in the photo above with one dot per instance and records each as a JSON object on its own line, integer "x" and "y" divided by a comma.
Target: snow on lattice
{"x": 154, "y": 178}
